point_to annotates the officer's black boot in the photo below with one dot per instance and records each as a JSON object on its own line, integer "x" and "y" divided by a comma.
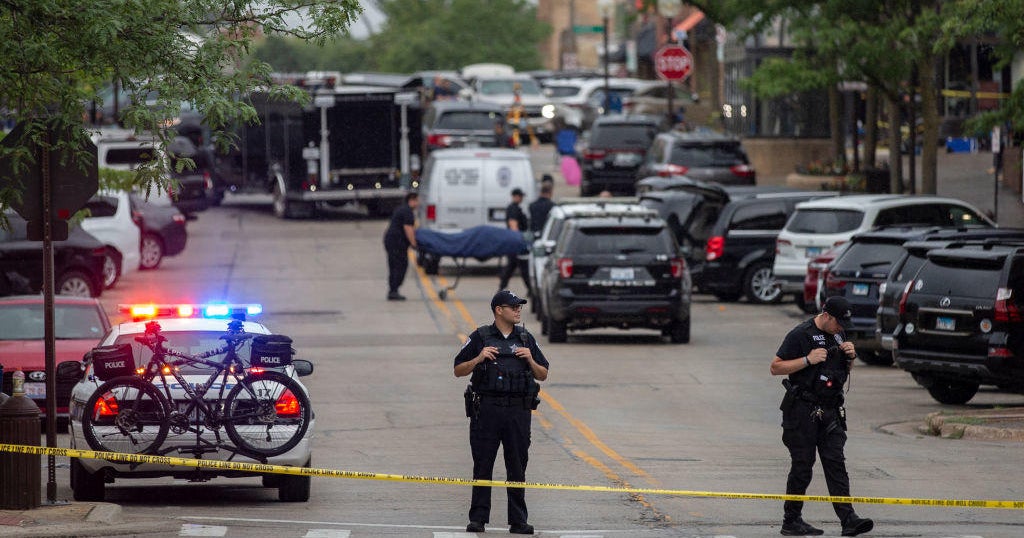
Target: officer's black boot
{"x": 475, "y": 526}
{"x": 855, "y": 525}
{"x": 521, "y": 529}
{"x": 799, "y": 527}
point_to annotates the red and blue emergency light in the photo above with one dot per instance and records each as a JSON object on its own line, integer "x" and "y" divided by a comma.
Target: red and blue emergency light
{"x": 140, "y": 312}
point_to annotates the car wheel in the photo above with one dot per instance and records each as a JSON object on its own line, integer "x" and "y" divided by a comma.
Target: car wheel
{"x": 111, "y": 269}
{"x": 876, "y": 358}
{"x": 952, "y": 392}
{"x": 557, "y": 331}
{"x": 85, "y": 485}
{"x": 294, "y": 488}
{"x": 151, "y": 253}
{"x": 287, "y": 209}
{"x": 679, "y": 332}
{"x": 77, "y": 284}
{"x": 759, "y": 284}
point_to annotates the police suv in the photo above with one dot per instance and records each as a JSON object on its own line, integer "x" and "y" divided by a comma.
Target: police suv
{"x": 191, "y": 329}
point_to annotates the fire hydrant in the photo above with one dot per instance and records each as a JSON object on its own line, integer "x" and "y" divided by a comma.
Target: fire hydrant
{"x": 19, "y": 473}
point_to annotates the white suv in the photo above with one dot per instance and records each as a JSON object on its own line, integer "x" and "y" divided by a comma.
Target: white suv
{"x": 110, "y": 221}
{"x": 819, "y": 225}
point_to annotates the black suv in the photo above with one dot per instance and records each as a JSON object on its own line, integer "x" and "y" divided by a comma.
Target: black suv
{"x": 457, "y": 124}
{"x": 702, "y": 155}
{"x": 612, "y": 152}
{"x": 616, "y": 272}
{"x": 962, "y": 323}
{"x": 740, "y": 249}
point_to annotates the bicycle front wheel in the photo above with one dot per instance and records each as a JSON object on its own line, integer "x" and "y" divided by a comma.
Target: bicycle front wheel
{"x": 127, "y": 415}
{"x": 267, "y": 413}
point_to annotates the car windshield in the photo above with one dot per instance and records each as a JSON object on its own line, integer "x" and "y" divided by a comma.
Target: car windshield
{"x": 470, "y": 120}
{"x": 70, "y": 322}
{"x": 707, "y": 155}
{"x": 621, "y": 240}
{"x": 622, "y": 136}
{"x": 869, "y": 257}
{"x": 191, "y": 342}
{"x": 506, "y": 86}
{"x": 824, "y": 221}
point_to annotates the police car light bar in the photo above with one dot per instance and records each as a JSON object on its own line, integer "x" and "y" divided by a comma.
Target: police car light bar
{"x": 209, "y": 310}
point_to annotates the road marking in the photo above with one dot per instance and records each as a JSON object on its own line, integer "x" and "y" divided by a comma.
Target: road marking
{"x": 194, "y": 529}
{"x": 327, "y": 533}
{"x": 455, "y": 535}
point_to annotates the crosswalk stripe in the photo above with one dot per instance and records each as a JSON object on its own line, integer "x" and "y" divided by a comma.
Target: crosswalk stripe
{"x": 455, "y": 535}
{"x": 327, "y": 533}
{"x": 194, "y": 529}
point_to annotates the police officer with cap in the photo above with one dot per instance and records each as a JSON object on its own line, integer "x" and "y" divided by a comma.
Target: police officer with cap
{"x": 505, "y": 363}
{"x": 516, "y": 219}
{"x": 817, "y": 360}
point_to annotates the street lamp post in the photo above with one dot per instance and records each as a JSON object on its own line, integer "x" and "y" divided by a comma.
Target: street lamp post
{"x": 605, "y": 6}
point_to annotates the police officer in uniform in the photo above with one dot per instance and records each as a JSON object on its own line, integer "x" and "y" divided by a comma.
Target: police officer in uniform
{"x": 817, "y": 360}
{"x": 505, "y": 363}
{"x": 399, "y": 236}
{"x": 516, "y": 219}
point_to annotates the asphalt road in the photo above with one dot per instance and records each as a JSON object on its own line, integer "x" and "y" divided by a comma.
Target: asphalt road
{"x": 620, "y": 408}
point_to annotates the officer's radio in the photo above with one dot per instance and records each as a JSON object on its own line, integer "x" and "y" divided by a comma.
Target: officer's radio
{"x": 832, "y": 374}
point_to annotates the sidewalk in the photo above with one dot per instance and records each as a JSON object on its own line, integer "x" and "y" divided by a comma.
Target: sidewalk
{"x": 78, "y": 519}
{"x": 969, "y": 177}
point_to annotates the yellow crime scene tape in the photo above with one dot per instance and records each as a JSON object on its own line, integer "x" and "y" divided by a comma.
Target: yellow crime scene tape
{"x": 355, "y": 475}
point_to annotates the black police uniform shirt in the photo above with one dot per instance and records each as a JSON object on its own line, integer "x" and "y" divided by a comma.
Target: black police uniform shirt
{"x": 394, "y": 237}
{"x": 800, "y": 341}
{"x": 475, "y": 344}
{"x": 514, "y": 212}
{"x": 539, "y": 210}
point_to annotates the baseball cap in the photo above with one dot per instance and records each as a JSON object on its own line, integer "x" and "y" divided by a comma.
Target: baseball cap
{"x": 506, "y": 298}
{"x": 839, "y": 308}
{"x": 518, "y": 192}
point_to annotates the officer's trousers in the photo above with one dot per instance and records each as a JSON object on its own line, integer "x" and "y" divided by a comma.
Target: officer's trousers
{"x": 804, "y": 436}
{"x": 398, "y": 264}
{"x": 509, "y": 426}
{"x": 511, "y": 264}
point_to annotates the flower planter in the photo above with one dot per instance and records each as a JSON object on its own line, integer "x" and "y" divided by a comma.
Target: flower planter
{"x": 815, "y": 182}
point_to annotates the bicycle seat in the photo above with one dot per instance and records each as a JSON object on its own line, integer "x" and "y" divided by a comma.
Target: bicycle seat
{"x": 236, "y": 338}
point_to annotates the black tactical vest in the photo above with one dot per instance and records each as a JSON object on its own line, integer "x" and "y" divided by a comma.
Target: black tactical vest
{"x": 508, "y": 375}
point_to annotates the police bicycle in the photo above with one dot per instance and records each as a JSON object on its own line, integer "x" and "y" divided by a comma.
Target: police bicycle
{"x": 265, "y": 413}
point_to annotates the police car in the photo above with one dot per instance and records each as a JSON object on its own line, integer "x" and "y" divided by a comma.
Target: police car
{"x": 191, "y": 329}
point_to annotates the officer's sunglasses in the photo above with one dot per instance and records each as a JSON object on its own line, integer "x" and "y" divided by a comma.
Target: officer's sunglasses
{"x": 516, "y": 307}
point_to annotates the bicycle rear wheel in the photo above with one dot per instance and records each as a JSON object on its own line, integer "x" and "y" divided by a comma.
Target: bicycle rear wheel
{"x": 267, "y": 413}
{"x": 127, "y": 415}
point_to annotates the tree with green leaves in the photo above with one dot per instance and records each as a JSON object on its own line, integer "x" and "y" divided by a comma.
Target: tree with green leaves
{"x": 60, "y": 56}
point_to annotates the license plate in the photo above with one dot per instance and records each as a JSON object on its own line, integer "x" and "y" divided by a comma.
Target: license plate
{"x": 35, "y": 390}
{"x": 945, "y": 324}
{"x": 625, "y": 159}
{"x": 622, "y": 273}
{"x": 861, "y": 289}
{"x": 813, "y": 251}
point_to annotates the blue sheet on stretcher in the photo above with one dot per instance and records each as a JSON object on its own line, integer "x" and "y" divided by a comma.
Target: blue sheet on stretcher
{"x": 477, "y": 242}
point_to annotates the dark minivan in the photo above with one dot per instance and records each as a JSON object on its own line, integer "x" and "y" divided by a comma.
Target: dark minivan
{"x": 613, "y": 150}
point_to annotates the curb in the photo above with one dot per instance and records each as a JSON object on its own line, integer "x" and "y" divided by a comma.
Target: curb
{"x": 105, "y": 513}
{"x": 991, "y": 425}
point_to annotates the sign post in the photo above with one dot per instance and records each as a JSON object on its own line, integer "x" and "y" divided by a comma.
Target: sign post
{"x": 672, "y": 62}
{"x": 54, "y": 186}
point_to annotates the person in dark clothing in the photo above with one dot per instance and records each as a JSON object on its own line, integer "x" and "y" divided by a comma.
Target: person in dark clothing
{"x": 399, "y": 236}
{"x": 516, "y": 220}
{"x": 817, "y": 360}
{"x": 540, "y": 208}
{"x": 506, "y": 363}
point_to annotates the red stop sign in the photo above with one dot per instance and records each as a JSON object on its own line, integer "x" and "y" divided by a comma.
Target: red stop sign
{"x": 673, "y": 62}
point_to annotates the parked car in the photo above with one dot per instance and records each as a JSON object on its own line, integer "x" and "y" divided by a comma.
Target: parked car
{"x": 91, "y": 477}
{"x": 652, "y": 98}
{"x": 740, "y": 249}
{"x": 586, "y": 96}
{"x": 77, "y": 262}
{"x": 702, "y": 155}
{"x": 191, "y": 191}
{"x": 821, "y": 224}
{"x": 457, "y": 124}
{"x": 814, "y": 280}
{"x": 162, "y": 228}
{"x": 962, "y": 323}
{"x": 621, "y": 272}
{"x": 545, "y": 243}
{"x": 110, "y": 221}
{"x": 78, "y": 324}
{"x": 612, "y": 151}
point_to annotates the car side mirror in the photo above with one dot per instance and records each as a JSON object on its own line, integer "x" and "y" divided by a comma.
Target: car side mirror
{"x": 70, "y": 371}
{"x": 302, "y": 367}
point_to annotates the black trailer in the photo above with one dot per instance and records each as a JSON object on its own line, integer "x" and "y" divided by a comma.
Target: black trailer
{"x": 348, "y": 144}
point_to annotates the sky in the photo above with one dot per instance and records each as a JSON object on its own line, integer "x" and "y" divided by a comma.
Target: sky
{"x": 368, "y": 23}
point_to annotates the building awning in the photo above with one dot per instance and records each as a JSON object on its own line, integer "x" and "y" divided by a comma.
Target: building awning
{"x": 689, "y": 22}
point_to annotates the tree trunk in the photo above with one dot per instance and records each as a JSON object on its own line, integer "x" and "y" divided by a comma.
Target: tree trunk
{"x": 870, "y": 128}
{"x": 930, "y": 118}
{"x": 895, "y": 160}
{"x": 835, "y": 124}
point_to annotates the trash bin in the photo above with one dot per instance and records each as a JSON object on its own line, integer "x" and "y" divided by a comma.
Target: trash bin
{"x": 20, "y": 488}
{"x": 876, "y": 180}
